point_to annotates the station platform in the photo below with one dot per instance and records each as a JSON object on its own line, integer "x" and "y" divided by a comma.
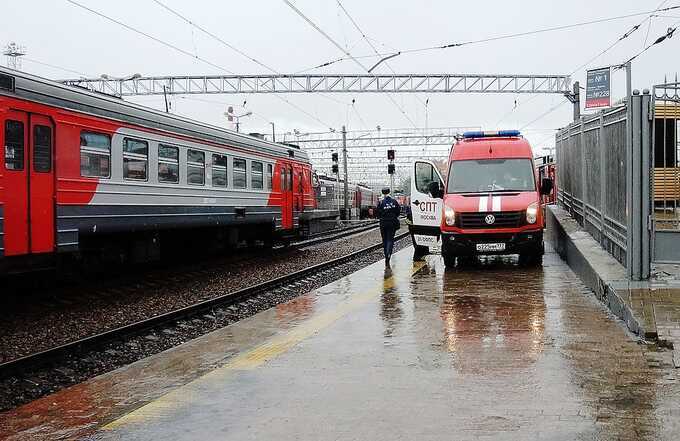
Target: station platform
{"x": 490, "y": 350}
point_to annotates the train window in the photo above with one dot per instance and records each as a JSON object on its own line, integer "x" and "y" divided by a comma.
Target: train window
{"x": 95, "y": 155}
{"x": 14, "y": 145}
{"x": 269, "y": 180}
{"x": 195, "y": 167}
{"x": 256, "y": 178}
{"x": 168, "y": 164}
{"x": 219, "y": 171}
{"x": 135, "y": 159}
{"x": 42, "y": 149}
{"x": 239, "y": 173}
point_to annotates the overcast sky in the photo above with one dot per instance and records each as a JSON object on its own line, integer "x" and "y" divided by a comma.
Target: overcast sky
{"x": 59, "y": 33}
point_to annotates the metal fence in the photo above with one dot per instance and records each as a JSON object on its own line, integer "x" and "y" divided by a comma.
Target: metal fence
{"x": 666, "y": 172}
{"x": 591, "y": 160}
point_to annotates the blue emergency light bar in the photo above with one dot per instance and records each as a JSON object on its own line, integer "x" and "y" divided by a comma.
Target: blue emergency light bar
{"x": 493, "y": 134}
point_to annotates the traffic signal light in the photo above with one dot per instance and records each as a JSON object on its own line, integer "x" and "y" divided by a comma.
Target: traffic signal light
{"x": 335, "y": 168}
{"x": 390, "y": 155}
{"x": 390, "y": 168}
{"x": 334, "y": 157}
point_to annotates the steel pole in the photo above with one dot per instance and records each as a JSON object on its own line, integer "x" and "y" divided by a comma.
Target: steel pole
{"x": 165, "y": 96}
{"x": 577, "y": 101}
{"x": 630, "y": 238}
{"x": 273, "y": 134}
{"x": 344, "y": 166}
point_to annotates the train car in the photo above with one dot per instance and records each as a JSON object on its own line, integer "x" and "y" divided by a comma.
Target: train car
{"x": 546, "y": 168}
{"x": 330, "y": 195}
{"x": 366, "y": 201}
{"x": 82, "y": 171}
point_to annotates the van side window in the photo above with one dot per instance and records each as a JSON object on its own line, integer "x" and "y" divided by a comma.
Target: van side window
{"x": 269, "y": 180}
{"x": 256, "y": 178}
{"x": 424, "y": 176}
{"x": 239, "y": 173}
{"x": 219, "y": 171}
{"x": 168, "y": 164}
{"x": 95, "y": 155}
{"x": 135, "y": 159}
{"x": 14, "y": 145}
{"x": 195, "y": 167}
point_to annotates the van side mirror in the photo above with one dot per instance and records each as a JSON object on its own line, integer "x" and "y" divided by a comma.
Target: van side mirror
{"x": 546, "y": 186}
{"x": 435, "y": 190}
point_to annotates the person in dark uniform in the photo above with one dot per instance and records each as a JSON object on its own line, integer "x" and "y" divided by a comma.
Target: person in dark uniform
{"x": 388, "y": 213}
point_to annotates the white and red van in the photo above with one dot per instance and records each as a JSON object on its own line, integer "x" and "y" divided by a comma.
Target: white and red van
{"x": 490, "y": 202}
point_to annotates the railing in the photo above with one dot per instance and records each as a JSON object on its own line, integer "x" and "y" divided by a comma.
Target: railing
{"x": 666, "y": 169}
{"x": 591, "y": 161}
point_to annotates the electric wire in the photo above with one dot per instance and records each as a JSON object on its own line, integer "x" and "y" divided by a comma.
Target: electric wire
{"x": 375, "y": 50}
{"x": 627, "y": 34}
{"x": 182, "y": 51}
{"x": 54, "y": 66}
{"x": 238, "y": 51}
{"x": 499, "y": 37}
{"x": 346, "y": 52}
{"x": 149, "y": 36}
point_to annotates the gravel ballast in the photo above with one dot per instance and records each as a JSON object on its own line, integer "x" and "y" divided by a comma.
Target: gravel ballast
{"x": 67, "y": 315}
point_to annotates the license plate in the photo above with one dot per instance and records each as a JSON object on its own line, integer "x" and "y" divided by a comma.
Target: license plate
{"x": 425, "y": 240}
{"x": 490, "y": 247}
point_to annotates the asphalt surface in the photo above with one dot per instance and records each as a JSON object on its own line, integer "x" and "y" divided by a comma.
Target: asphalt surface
{"x": 489, "y": 350}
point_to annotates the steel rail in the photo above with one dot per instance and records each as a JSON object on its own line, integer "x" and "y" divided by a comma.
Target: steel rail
{"x": 45, "y": 357}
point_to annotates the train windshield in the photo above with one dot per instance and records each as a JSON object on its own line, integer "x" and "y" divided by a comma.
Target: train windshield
{"x": 491, "y": 175}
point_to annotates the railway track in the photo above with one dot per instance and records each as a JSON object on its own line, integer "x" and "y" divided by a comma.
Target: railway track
{"x": 46, "y": 358}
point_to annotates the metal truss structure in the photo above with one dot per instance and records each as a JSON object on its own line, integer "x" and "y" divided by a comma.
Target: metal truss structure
{"x": 338, "y": 83}
{"x": 397, "y": 138}
{"x": 367, "y": 150}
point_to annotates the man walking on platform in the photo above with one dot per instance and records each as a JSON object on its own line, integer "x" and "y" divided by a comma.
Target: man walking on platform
{"x": 388, "y": 213}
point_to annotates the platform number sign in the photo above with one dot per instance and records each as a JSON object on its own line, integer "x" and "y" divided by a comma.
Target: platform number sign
{"x": 598, "y": 88}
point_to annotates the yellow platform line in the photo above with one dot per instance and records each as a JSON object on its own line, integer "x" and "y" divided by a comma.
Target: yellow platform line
{"x": 251, "y": 359}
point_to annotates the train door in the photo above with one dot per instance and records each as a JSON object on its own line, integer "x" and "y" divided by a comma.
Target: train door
{"x": 286, "y": 197}
{"x": 29, "y": 173}
{"x": 298, "y": 188}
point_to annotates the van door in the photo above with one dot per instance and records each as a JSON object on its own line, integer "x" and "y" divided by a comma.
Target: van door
{"x": 426, "y": 209}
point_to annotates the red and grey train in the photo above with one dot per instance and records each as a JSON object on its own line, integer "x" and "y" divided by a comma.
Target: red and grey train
{"x": 86, "y": 171}
{"x": 330, "y": 195}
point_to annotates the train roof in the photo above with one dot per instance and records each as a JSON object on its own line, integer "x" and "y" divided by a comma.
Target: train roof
{"x": 41, "y": 90}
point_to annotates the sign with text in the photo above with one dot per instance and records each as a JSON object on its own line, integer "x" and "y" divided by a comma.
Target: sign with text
{"x": 598, "y": 88}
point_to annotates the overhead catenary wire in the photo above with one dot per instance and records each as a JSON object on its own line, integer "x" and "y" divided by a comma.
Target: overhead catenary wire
{"x": 182, "y": 51}
{"x": 54, "y": 66}
{"x": 626, "y": 35}
{"x": 496, "y": 37}
{"x": 372, "y": 46}
{"x": 238, "y": 51}
{"x": 346, "y": 52}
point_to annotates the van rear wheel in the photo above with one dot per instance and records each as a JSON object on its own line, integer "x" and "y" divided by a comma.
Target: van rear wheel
{"x": 531, "y": 259}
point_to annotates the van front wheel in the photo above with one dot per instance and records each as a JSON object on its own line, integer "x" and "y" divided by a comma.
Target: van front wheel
{"x": 449, "y": 260}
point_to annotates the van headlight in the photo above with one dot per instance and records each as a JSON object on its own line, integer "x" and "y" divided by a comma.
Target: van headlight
{"x": 532, "y": 212}
{"x": 449, "y": 216}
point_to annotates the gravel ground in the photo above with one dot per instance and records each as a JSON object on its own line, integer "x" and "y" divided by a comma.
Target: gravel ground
{"x": 91, "y": 310}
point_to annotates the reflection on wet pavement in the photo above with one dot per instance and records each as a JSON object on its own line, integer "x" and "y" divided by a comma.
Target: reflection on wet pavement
{"x": 489, "y": 350}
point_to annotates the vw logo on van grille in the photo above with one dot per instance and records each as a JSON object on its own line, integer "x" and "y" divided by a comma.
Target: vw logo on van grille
{"x": 490, "y": 219}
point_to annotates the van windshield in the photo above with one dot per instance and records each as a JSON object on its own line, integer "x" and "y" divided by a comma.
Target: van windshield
{"x": 489, "y": 175}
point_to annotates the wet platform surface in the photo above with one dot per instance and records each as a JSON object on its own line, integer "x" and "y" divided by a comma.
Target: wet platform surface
{"x": 485, "y": 351}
